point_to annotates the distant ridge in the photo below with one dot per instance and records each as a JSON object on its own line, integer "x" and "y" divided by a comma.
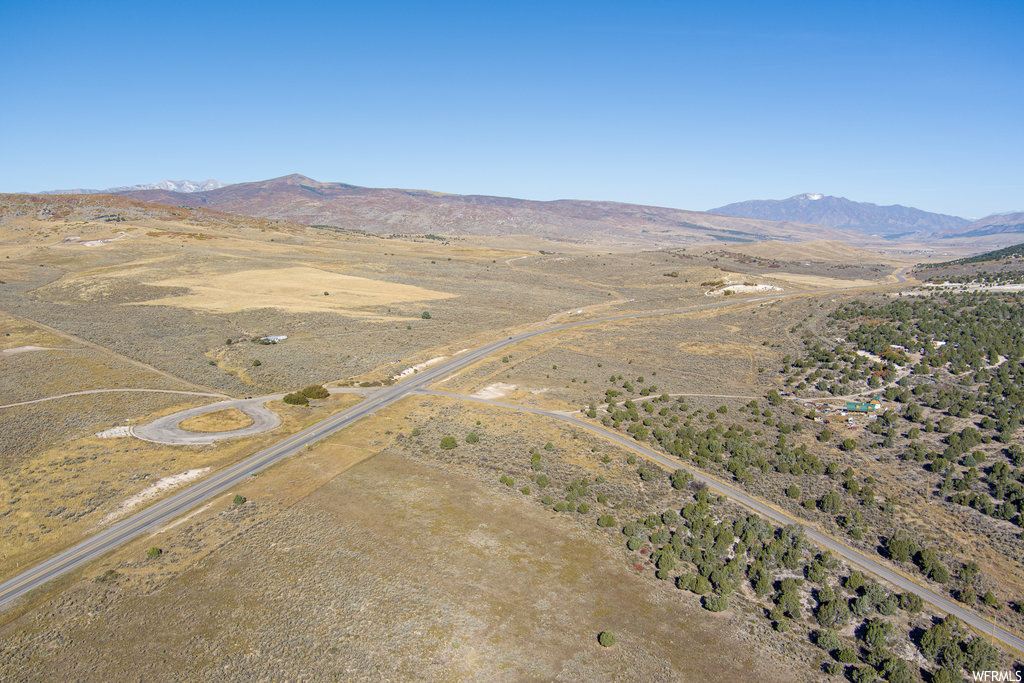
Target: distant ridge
{"x": 838, "y": 212}
{"x": 996, "y": 224}
{"x": 301, "y": 199}
{"x": 183, "y": 186}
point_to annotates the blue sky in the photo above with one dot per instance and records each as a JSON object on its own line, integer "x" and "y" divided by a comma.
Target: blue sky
{"x": 681, "y": 104}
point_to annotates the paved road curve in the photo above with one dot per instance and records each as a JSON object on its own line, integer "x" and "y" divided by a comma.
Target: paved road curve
{"x": 222, "y": 481}
{"x": 778, "y": 516}
{"x": 162, "y": 512}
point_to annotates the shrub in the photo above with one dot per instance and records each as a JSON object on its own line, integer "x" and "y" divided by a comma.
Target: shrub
{"x": 605, "y": 521}
{"x": 561, "y": 506}
{"x": 108, "y": 575}
{"x": 296, "y": 399}
{"x": 549, "y": 446}
{"x": 472, "y": 437}
{"x": 701, "y": 586}
{"x": 634, "y": 543}
{"x": 831, "y": 502}
{"x": 315, "y": 391}
{"x": 911, "y": 602}
{"x": 154, "y": 553}
{"x": 827, "y": 640}
{"x": 238, "y": 499}
{"x": 256, "y": 363}
{"x": 547, "y": 500}
{"x": 583, "y": 508}
{"x": 792, "y": 491}
{"x": 606, "y": 638}
{"x": 425, "y": 315}
{"x": 680, "y": 478}
{"x": 849, "y": 444}
{"x": 448, "y": 443}
{"x": 847, "y": 655}
{"x": 715, "y": 603}
{"x": 415, "y": 431}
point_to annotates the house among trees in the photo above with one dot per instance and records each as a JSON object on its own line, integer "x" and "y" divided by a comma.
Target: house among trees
{"x": 874, "y": 405}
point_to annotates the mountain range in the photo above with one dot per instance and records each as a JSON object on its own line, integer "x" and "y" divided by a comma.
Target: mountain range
{"x": 889, "y": 222}
{"x": 300, "y": 199}
{"x": 183, "y": 186}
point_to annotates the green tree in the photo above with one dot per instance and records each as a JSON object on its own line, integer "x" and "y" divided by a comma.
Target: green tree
{"x": 238, "y": 499}
{"x": 606, "y": 521}
{"x": 154, "y": 553}
{"x": 715, "y": 603}
{"x": 448, "y": 443}
{"x": 315, "y": 391}
{"x": 606, "y": 638}
{"x": 296, "y": 399}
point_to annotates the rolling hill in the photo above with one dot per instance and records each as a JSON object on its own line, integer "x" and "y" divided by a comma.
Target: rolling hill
{"x": 301, "y": 199}
{"x": 998, "y": 224}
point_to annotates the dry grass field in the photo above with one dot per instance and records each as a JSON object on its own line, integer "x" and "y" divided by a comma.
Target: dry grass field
{"x": 218, "y": 421}
{"x": 61, "y": 493}
{"x": 377, "y": 554}
{"x": 404, "y": 566}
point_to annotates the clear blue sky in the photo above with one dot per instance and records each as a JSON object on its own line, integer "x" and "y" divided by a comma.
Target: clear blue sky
{"x": 681, "y": 104}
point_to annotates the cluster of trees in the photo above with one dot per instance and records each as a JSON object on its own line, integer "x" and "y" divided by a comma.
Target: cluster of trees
{"x": 303, "y": 396}
{"x": 711, "y": 556}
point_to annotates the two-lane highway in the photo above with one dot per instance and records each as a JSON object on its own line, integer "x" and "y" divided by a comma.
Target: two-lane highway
{"x": 164, "y": 511}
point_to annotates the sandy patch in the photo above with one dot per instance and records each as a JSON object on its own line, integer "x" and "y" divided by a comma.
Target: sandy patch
{"x": 815, "y": 281}
{"x": 154, "y": 490}
{"x": 409, "y": 372}
{"x": 493, "y": 391}
{"x": 296, "y": 289}
{"x": 23, "y": 349}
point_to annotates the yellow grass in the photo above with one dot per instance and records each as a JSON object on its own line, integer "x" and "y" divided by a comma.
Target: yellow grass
{"x": 217, "y": 421}
{"x": 296, "y": 289}
{"x": 815, "y": 281}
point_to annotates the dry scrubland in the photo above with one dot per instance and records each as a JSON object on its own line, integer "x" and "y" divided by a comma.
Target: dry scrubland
{"x": 413, "y": 564}
{"x": 419, "y": 562}
{"x": 729, "y": 352}
{"x": 62, "y": 493}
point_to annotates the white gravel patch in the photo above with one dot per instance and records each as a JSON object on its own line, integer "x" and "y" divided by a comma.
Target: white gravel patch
{"x": 115, "y": 432}
{"x": 154, "y": 490}
{"x": 493, "y": 391}
{"x": 409, "y": 372}
{"x": 24, "y": 349}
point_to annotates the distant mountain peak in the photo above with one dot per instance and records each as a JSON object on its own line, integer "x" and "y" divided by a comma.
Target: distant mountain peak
{"x": 839, "y": 212}
{"x": 184, "y": 186}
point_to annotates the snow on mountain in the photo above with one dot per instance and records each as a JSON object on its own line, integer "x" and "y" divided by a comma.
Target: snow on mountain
{"x": 186, "y": 186}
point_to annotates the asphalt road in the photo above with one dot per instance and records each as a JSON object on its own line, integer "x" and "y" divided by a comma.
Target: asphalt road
{"x": 851, "y": 555}
{"x": 165, "y": 429}
{"x": 164, "y": 511}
